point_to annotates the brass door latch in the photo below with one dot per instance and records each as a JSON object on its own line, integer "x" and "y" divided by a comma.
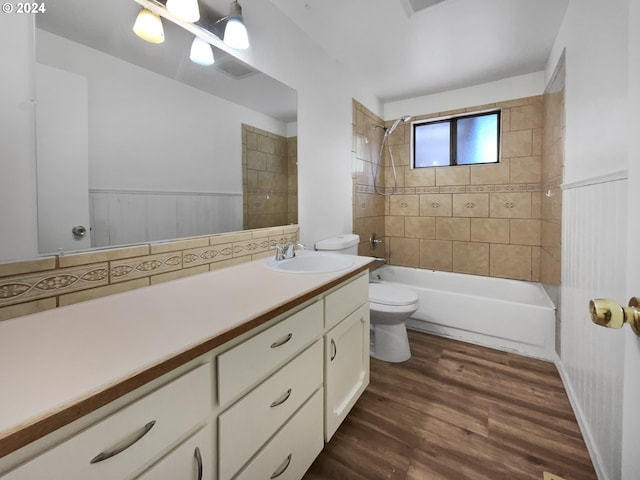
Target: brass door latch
{"x": 610, "y": 314}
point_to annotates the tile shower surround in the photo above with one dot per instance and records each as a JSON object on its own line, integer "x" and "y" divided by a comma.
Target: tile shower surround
{"x": 49, "y": 282}
{"x": 479, "y": 219}
{"x": 269, "y": 178}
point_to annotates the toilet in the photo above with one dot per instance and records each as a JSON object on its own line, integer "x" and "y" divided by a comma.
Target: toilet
{"x": 389, "y": 305}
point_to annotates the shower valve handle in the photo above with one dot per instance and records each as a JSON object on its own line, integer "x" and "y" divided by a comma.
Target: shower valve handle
{"x": 374, "y": 241}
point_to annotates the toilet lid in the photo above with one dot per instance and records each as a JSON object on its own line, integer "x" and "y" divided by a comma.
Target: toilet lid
{"x": 390, "y": 295}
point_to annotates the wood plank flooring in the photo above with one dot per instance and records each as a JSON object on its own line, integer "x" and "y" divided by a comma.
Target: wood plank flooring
{"x": 457, "y": 411}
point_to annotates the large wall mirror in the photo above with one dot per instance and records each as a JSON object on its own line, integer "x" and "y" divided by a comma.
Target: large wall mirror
{"x": 136, "y": 143}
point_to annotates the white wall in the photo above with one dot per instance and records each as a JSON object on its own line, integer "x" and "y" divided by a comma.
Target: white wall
{"x": 150, "y": 132}
{"x": 18, "y": 215}
{"x": 595, "y": 36}
{"x": 499, "y": 91}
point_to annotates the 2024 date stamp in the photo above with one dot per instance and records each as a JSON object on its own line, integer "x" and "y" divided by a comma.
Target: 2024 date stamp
{"x": 20, "y": 7}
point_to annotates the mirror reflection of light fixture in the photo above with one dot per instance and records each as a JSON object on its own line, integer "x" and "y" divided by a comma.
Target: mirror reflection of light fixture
{"x": 185, "y": 10}
{"x": 148, "y": 26}
{"x": 225, "y": 33}
{"x": 235, "y": 33}
{"x": 201, "y": 52}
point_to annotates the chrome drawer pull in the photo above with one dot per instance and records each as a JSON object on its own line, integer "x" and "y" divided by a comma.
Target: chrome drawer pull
{"x": 283, "y": 466}
{"x": 282, "y": 341}
{"x": 198, "y": 458}
{"x": 126, "y": 443}
{"x": 334, "y": 349}
{"x": 282, "y": 399}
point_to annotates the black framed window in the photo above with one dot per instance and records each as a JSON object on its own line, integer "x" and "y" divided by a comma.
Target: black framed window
{"x": 463, "y": 140}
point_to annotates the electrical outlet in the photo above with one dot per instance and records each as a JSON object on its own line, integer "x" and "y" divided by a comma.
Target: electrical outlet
{"x": 550, "y": 476}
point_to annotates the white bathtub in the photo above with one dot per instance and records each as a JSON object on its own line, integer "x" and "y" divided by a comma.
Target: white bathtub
{"x": 506, "y": 314}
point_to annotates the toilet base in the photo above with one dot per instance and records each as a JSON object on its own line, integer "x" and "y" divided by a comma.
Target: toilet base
{"x": 390, "y": 343}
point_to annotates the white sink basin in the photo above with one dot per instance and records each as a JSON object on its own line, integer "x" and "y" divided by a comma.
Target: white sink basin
{"x": 310, "y": 262}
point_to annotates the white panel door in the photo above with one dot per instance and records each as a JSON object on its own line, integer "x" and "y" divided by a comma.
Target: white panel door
{"x": 631, "y": 398}
{"x": 62, "y": 159}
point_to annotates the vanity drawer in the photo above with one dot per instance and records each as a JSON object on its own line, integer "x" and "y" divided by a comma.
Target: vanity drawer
{"x": 176, "y": 408}
{"x": 244, "y": 365}
{"x": 249, "y": 423}
{"x": 292, "y": 451}
{"x": 184, "y": 463}
{"x": 346, "y": 300}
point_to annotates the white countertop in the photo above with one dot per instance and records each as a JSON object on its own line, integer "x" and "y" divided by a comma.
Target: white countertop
{"x": 57, "y": 358}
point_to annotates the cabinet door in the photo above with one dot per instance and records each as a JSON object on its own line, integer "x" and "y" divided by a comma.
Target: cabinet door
{"x": 346, "y": 367}
{"x": 193, "y": 460}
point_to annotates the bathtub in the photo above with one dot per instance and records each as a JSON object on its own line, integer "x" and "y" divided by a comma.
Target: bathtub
{"x": 509, "y": 315}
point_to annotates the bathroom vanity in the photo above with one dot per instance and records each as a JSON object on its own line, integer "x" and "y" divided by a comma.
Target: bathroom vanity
{"x": 241, "y": 373}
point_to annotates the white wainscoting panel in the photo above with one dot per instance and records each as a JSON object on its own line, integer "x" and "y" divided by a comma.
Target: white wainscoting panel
{"x": 592, "y": 357}
{"x": 123, "y": 217}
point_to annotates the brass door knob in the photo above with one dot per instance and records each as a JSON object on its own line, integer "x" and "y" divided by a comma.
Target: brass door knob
{"x": 610, "y": 314}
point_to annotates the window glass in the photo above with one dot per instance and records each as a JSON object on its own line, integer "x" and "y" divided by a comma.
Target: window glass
{"x": 477, "y": 140}
{"x": 465, "y": 140}
{"x": 432, "y": 144}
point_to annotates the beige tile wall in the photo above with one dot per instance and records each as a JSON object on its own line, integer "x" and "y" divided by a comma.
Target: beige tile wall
{"x": 269, "y": 179}
{"x": 368, "y": 207}
{"x": 478, "y": 219}
{"x": 45, "y": 283}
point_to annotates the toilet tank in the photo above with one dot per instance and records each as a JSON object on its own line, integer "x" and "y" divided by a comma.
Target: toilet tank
{"x": 346, "y": 243}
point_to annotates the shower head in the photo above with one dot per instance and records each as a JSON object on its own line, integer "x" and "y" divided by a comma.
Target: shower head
{"x": 403, "y": 119}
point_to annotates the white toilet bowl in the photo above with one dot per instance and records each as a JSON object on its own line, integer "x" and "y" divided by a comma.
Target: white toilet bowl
{"x": 390, "y": 306}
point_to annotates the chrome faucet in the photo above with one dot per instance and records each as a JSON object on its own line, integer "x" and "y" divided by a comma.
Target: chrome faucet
{"x": 287, "y": 250}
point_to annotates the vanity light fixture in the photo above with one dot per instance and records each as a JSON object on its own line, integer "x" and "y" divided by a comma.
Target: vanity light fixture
{"x": 185, "y": 10}
{"x": 201, "y": 52}
{"x": 148, "y": 26}
{"x": 235, "y": 32}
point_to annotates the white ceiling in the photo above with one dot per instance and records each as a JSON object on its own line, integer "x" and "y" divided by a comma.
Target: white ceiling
{"x": 396, "y": 49}
{"x": 407, "y": 48}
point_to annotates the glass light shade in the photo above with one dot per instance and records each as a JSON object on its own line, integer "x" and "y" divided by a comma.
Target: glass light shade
{"x": 185, "y": 10}
{"x": 148, "y": 26}
{"x": 235, "y": 34}
{"x": 201, "y": 52}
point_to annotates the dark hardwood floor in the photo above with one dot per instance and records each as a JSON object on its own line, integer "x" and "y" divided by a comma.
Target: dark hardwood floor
{"x": 457, "y": 411}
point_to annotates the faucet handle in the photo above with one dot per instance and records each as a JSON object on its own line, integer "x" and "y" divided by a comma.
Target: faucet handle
{"x": 280, "y": 251}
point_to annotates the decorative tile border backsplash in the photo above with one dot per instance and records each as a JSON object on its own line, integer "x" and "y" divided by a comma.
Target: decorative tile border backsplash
{"x": 41, "y": 284}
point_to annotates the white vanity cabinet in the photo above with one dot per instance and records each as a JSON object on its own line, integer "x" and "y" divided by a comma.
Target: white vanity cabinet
{"x": 277, "y": 429}
{"x": 346, "y": 351}
{"x": 259, "y": 405}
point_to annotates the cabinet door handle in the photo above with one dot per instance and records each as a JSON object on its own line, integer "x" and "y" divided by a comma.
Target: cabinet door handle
{"x": 198, "y": 458}
{"x": 334, "y": 349}
{"x": 283, "y": 466}
{"x": 282, "y": 341}
{"x": 124, "y": 444}
{"x": 282, "y": 399}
